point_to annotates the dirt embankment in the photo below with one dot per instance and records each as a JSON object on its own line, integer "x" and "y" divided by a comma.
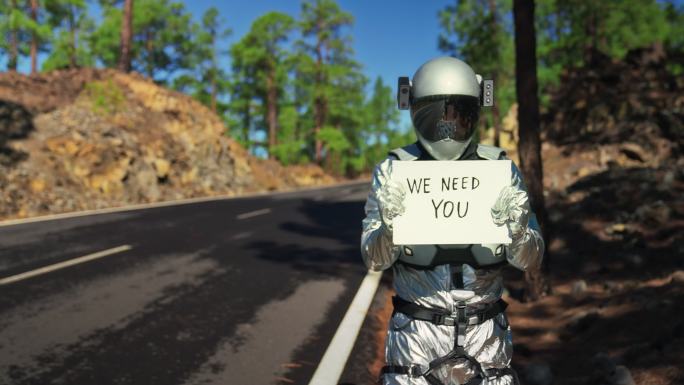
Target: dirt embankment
{"x": 85, "y": 139}
{"x": 614, "y": 180}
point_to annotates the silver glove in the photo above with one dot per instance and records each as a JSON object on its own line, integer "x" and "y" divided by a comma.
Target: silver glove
{"x": 512, "y": 208}
{"x": 391, "y": 202}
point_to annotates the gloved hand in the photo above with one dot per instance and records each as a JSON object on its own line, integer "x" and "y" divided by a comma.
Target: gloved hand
{"x": 391, "y": 202}
{"x": 513, "y": 209}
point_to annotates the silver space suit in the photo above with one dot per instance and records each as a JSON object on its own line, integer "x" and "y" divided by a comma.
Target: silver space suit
{"x": 448, "y": 324}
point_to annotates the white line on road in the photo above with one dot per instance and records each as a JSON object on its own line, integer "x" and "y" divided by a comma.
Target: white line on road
{"x": 61, "y": 265}
{"x": 242, "y": 235}
{"x": 253, "y": 213}
{"x": 335, "y": 358}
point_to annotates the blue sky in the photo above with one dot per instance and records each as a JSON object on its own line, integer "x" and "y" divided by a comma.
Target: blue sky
{"x": 390, "y": 38}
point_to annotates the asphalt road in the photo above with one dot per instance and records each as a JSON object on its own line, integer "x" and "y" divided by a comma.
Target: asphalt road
{"x": 236, "y": 291}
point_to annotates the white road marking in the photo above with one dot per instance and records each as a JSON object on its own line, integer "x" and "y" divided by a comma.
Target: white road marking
{"x": 335, "y": 358}
{"x": 62, "y": 322}
{"x": 253, "y": 213}
{"x": 270, "y": 338}
{"x": 61, "y": 265}
{"x": 241, "y": 235}
{"x": 143, "y": 206}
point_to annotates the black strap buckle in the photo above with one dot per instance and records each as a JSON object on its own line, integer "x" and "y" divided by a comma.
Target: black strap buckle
{"x": 494, "y": 373}
{"x": 415, "y": 371}
{"x": 479, "y": 317}
{"x": 443, "y": 319}
{"x": 461, "y": 312}
{"x": 489, "y": 374}
{"x": 409, "y": 370}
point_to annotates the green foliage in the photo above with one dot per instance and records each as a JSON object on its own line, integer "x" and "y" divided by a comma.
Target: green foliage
{"x": 569, "y": 34}
{"x": 335, "y": 144}
{"x": 204, "y": 78}
{"x": 400, "y": 137}
{"x": 71, "y": 26}
{"x": 16, "y": 24}
{"x": 480, "y": 33}
{"x": 571, "y": 31}
{"x": 5, "y": 10}
{"x": 63, "y": 51}
{"x": 260, "y": 70}
{"x": 162, "y": 37}
{"x": 379, "y": 132}
{"x": 333, "y": 139}
{"x": 330, "y": 83}
{"x": 106, "y": 96}
{"x": 290, "y": 148}
{"x": 674, "y": 41}
{"x": 105, "y": 41}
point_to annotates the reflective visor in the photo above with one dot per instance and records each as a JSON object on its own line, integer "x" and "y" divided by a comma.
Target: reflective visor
{"x": 446, "y": 116}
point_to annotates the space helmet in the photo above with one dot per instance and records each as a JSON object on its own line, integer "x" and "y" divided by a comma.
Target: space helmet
{"x": 444, "y": 98}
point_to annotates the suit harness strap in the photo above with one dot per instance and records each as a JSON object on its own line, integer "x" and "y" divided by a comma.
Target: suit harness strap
{"x": 460, "y": 319}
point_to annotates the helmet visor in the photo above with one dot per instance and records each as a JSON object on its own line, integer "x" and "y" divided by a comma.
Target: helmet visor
{"x": 445, "y": 116}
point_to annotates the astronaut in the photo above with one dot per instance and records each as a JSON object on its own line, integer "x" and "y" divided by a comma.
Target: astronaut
{"x": 448, "y": 324}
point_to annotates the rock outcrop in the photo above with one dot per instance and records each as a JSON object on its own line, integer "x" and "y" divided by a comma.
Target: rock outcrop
{"x": 85, "y": 139}
{"x": 636, "y": 105}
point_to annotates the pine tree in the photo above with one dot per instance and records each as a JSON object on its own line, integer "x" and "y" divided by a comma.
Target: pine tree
{"x": 204, "y": 78}
{"x": 162, "y": 37}
{"x": 5, "y": 28}
{"x": 379, "y": 129}
{"x": 15, "y": 16}
{"x": 243, "y": 86}
{"x": 34, "y": 37}
{"x": 15, "y": 28}
{"x": 211, "y": 33}
{"x": 260, "y": 60}
{"x": 71, "y": 25}
{"x": 126, "y": 36}
{"x": 322, "y": 24}
{"x": 479, "y": 32}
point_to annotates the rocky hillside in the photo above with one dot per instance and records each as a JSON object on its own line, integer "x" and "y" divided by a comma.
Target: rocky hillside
{"x": 86, "y": 139}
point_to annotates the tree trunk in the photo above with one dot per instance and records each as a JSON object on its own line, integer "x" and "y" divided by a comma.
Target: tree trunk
{"x": 271, "y": 107}
{"x": 320, "y": 103}
{"x": 319, "y": 116}
{"x": 72, "y": 35}
{"x": 14, "y": 43}
{"x": 214, "y": 91}
{"x": 149, "y": 65}
{"x": 590, "y": 42}
{"x": 214, "y": 73}
{"x": 495, "y": 108}
{"x": 126, "y": 36}
{"x": 34, "y": 38}
{"x": 246, "y": 124}
{"x": 529, "y": 146}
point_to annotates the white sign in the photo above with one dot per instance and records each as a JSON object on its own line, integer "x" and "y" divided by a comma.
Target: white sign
{"x": 449, "y": 202}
